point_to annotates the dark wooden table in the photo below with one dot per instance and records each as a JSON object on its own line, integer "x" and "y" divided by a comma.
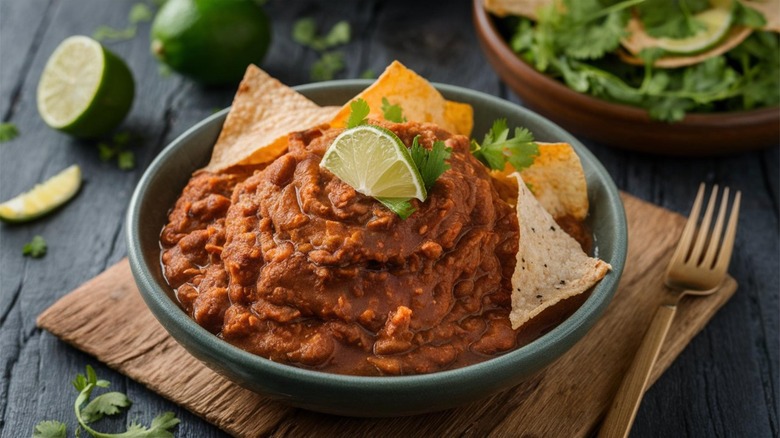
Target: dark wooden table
{"x": 725, "y": 384}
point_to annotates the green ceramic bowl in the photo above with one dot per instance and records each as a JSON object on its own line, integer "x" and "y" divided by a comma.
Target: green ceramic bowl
{"x": 163, "y": 181}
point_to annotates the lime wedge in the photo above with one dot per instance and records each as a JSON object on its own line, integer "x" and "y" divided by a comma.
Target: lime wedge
{"x": 717, "y": 23}
{"x": 42, "y": 198}
{"x": 85, "y": 90}
{"x": 375, "y": 162}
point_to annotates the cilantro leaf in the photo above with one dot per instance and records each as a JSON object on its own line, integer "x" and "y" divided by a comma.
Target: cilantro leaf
{"x": 140, "y": 13}
{"x": 325, "y": 68}
{"x": 8, "y": 132}
{"x": 108, "y": 33}
{"x": 393, "y": 113}
{"x": 400, "y": 206}
{"x": 109, "y": 403}
{"x": 36, "y": 248}
{"x": 126, "y": 160}
{"x": 497, "y": 148}
{"x": 304, "y": 32}
{"x": 430, "y": 163}
{"x": 671, "y": 19}
{"x": 50, "y": 429}
{"x": 359, "y": 111}
{"x": 746, "y": 16}
{"x": 368, "y": 74}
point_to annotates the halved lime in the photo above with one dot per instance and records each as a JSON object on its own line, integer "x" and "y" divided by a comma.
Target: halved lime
{"x": 716, "y": 21}
{"x": 85, "y": 90}
{"x": 375, "y": 162}
{"x": 42, "y": 198}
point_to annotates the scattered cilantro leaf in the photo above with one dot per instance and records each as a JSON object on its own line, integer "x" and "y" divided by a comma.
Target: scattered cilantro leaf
{"x": 431, "y": 163}
{"x": 392, "y": 113}
{"x": 8, "y": 132}
{"x": 109, "y": 403}
{"x": 359, "y": 110}
{"x": 671, "y": 19}
{"x": 126, "y": 160}
{"x": 325, "y": 68}
{"x": 108, "y": 33}
{"x": 497, "y": 148}
{"x": 304, "y": 32}
{"x": 746, "y": 16}
{"x": 368, "y": 74}
{"x": 400, "y": 206}
{"x": 36, "y": 248}
{"x": 140, "y": 13}
{"x": 50, "y": 429}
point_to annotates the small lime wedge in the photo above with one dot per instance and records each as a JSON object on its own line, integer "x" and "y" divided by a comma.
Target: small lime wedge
{"x": 42, "y": 198}
{"x": 716, "y": 21}
{"x": 375, "y": 162}
{"x": 85, "y": 90}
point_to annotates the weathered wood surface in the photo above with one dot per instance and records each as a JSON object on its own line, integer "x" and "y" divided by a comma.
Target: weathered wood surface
{"x": 107, "y": 318}
{"x": 725, "y": 383}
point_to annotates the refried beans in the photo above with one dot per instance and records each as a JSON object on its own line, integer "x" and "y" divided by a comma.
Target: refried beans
{"x": 292, "y": 264}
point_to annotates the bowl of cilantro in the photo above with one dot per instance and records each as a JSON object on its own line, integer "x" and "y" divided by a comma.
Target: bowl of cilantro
{"x": 687, "y": 81}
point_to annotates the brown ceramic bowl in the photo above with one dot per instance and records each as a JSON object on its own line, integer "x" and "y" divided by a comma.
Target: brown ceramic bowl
{"x": 620, "y": 125}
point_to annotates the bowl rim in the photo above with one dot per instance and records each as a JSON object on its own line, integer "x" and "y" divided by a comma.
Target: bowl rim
{"x": 565, "y": 333}
{"x": 486, "y": 26}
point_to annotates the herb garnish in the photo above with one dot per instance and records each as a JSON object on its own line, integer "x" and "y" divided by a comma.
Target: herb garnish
{"x": 8, "y": 132}
{"x": 392, "y": 113}
{"x": 109, "y": 403}
{"x": 36, "y": 248}
{"x": 577, "y": 44}
{"x": 431, "y": 163}
{"x": 117, "y": 148}
{"x": 359, "y": 110}
{"x": 139, "y": 13}
{"x": 497, "y": 148}
{"x": 304, "y": 32}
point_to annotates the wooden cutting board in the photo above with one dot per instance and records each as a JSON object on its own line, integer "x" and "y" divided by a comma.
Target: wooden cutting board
{"x": 107, "y": 318}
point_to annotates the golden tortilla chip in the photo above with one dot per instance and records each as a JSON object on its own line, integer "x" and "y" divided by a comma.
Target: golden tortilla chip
{"x": 523, "y": 8}
{"x": 551, "y": 265}
{"x": 556, "y": 179}
{"x": 264, "y": 111}
{"x": 418, "y": 99}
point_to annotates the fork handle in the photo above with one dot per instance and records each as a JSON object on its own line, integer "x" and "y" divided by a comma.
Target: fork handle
{"x": 621, "y": 414}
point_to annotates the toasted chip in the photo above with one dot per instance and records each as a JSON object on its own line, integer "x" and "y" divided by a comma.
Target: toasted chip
{"x": 639, "y": 40}
{"x": 556, "y": 179}
{"x": 418, "y": 99}
{"x": 551, "y": 265}
{"x": 264, "y": 111}
{"x": 523, "y": 8}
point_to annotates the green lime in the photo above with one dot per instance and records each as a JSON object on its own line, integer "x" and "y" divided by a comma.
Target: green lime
{"x": 211, "y": 41}
{"x": 42, "y": 198}
{"x": 716, "y": 21}
{"x": 375, "y": 162}
{"x": 85, "y": 90}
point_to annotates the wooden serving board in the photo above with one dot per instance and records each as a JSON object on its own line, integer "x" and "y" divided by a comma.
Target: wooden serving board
{"x": 107, "y": 318}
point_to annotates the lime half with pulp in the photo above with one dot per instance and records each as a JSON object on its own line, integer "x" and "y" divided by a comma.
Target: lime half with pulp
{"x": 375, "y": 162}
{"x": 85, "y": 90}
{"x": 716, "y": 22}
{"x": 42, "y": 198}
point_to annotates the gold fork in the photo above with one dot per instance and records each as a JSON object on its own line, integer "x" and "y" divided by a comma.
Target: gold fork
{"x": 692, "y": 271}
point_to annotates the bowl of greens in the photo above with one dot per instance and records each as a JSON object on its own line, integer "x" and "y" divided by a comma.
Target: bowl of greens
{"x": 688, "y": 77}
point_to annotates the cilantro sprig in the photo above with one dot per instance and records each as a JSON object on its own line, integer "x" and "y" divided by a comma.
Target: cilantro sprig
{"x": 8, "y": 132}
{"x": 331, "y": 62}
{"x": 431, "y": 163}
{"x": 497, "y": 148}
{"x": 89, "y": 410}
{"x": 392, "y": 113}
{"x": 36, "y": 248}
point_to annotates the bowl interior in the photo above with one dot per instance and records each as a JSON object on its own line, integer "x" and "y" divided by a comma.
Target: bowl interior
{"x": 168, "y": 174}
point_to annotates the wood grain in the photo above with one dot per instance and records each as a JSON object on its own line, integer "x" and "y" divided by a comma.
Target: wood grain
{"x": 107, "y": 318}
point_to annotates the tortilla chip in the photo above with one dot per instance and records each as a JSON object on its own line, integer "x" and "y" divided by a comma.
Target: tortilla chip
{"x": 556, "y": 179}
{"x": 264, "y": 111}
{"x": 551, "y": 265}
{"x": 639, "y": 40}
{"x": 523, "y": 8}
{"x": 418, "y": 99}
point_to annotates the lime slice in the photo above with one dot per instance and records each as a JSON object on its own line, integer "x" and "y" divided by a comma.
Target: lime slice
{"x": 375, "y": 162}
{"x": 717, "y": 23}
{"x": 42, "y": 198}
{"x": 85, "y": 90}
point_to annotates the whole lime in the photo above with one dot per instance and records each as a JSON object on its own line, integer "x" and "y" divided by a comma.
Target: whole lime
{"x": 211, "y": 41}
